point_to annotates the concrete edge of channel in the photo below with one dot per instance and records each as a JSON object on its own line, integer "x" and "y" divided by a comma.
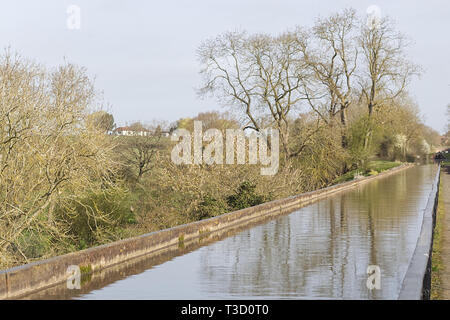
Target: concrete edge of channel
{"x": 22, "y": 280}
{"x": 416, "y": 284}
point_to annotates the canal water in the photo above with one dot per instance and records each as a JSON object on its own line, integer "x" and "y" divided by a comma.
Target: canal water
{"x": 321, "y": 251}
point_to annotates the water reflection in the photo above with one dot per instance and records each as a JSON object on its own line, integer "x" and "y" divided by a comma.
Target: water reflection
{"x": 320, "y": 251}
{"x": 323, "y": 250}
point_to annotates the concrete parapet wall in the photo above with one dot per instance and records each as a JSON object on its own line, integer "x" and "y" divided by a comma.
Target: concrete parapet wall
{"x": 416, "y": 284}
{"x": 25, "y": 279}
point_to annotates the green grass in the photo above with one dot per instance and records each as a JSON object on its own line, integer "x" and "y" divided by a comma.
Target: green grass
{"x": 381, "y": 165}
{"x": 372, "y": 168}
{"x": 346, "y": 177}
{"x": 436, "y": 259}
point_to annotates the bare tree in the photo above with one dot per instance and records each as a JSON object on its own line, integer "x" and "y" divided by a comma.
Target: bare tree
{"x": 141, "y": 150}
{"x": 102, "y": 120}
{"x": 332, "y": 61}
{"x": 48, "y": 156}
{"x": 260, "y": 74}
{"x": 386, "y": 71}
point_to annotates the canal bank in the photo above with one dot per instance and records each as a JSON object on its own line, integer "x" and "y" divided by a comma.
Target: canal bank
{"x": 441, "y": 248}
{"x": 416, "y": 284}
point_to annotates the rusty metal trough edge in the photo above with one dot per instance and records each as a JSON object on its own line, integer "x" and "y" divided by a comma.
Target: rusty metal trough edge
{"x": 21, "y": 280}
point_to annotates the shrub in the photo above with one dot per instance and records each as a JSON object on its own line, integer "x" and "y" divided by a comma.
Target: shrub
{"x": 97, "y": 218}
{"x": 245, "y": 197}
{"x": 209, "y": 207}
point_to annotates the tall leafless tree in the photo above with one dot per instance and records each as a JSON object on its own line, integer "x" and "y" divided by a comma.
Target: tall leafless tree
{"x": 386, "y": 71}
{"x": 260, "y": 74}
{"x": 332, "y": 60}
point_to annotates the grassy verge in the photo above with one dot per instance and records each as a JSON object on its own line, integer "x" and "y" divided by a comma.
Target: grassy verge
{"x": 372, "y": 168}
{"x": 436, "y": 259}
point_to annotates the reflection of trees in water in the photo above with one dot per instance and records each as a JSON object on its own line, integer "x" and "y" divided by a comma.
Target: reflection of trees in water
{"x": 394, "y": 207}
{"x": 323, "y": 250}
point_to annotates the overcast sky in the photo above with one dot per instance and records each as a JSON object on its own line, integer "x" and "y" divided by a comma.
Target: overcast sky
{"x": 143, "y": 53}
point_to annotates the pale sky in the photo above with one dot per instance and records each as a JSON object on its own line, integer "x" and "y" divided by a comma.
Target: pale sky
{"x": 143, "y": 53}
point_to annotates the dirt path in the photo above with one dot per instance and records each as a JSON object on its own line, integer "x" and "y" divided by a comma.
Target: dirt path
{"x": 442, "y": 259}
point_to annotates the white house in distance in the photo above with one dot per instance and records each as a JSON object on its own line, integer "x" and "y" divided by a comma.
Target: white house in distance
{"x": 129, "y": 131}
